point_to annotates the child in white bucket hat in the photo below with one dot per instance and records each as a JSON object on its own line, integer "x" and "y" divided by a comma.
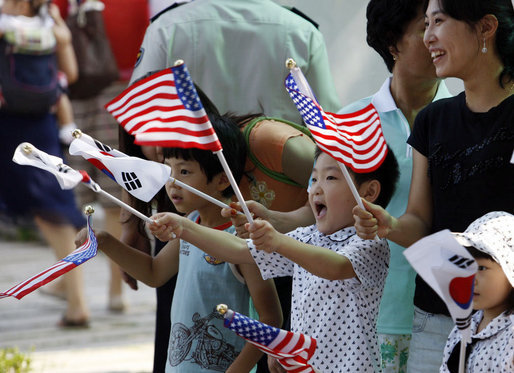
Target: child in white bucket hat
{"x": 490, "y": 240}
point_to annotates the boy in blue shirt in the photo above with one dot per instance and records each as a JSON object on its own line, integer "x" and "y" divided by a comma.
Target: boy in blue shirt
{"x": 198, "y": 341}
{"x": 338, "y": 278}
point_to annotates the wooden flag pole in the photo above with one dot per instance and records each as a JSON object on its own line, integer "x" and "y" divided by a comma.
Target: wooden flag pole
{"x": 96, "y": 188}
{"x": 462, "y": 356}
{"x": 234, "y": 185}
{"x": 200, "y": 194}
{"x": 350, "y": 183}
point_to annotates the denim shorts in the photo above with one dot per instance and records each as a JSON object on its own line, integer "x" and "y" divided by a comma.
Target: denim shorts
{"x": 429, "y": 334}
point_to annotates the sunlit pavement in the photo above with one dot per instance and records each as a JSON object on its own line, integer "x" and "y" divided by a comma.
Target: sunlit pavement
{"x": 114, "y": 342}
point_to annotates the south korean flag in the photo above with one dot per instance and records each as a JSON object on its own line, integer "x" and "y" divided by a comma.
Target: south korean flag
{"x": 140, "y": 177}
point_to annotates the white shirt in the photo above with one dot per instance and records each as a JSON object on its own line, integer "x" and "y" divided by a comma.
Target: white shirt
{"x": 341, "y": 315}
{"x": 493, "y": 348}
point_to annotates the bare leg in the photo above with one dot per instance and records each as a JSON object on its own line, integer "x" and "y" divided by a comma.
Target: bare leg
{"x": 113, "y": 226}
{"x": 62, "y": 240}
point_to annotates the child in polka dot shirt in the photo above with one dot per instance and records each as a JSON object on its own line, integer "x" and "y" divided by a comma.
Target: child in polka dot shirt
{"x": 338, "y": 278}
{"x": 490, "y": 240}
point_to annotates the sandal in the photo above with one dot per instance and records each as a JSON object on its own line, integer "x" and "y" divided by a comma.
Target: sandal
{"x": 73, "y": 324}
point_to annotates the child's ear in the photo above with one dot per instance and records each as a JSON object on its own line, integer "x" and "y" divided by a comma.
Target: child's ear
{"x": 370, "y": 190}
{"x": 222, "y": 181}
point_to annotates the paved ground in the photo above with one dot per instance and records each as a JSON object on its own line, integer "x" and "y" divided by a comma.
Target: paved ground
{"x": 114, "y": 342}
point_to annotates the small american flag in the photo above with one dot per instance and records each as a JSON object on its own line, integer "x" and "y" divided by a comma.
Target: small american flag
{"x": 293, "y": 350}
{"x": 76, "y": 258}
{"x": 164, "y": 110}
{"x": 354, "y": 139}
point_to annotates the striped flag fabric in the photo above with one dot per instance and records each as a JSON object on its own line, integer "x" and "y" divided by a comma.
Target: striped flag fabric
{"x": 80, "y": 255}
{"x": 164, "y": 109}
{"x": 354, "y": 139}
{"x": 449, "y": 269}
{"x": 293, "y": 350}
{"x": 140, "y": 177}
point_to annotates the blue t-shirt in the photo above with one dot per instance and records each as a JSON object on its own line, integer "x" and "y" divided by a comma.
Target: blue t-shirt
{"x": 198, "y": 340}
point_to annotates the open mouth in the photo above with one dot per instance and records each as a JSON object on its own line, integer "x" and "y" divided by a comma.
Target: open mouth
{"x": 321, "y": 210}
{"x": 436, "y": 55}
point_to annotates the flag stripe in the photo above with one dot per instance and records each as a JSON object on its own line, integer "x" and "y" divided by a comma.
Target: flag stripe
{"x": 162, "y": 108}
{"x": 355, "y": 139}
{"x": 293, "y": 350}
{"x": 80, "y": 255}
{"x": 162, "y": 77}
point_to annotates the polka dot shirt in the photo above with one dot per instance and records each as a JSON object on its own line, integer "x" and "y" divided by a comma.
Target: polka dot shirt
{"x": 493, "y": 348}
{"x": 341, "y": 315}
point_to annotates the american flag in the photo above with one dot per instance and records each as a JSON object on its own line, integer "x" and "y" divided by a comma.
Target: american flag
{"x": 164, "y": 110}
{"x": 354, "y": 139}
{"x": 76, "y": 258}
{"x": 293, "y": 350}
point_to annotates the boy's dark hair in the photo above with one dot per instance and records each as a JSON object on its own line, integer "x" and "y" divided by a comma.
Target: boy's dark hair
{"x": 387, "y": 22}
{"x": 387, "y": 175}
{"x": 478, "y": 254}
{"x": 472, "y": 11}
{"x": 231, "y": 139}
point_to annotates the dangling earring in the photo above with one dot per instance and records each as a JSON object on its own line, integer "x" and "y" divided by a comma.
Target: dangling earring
{"x": 484, "y": 48}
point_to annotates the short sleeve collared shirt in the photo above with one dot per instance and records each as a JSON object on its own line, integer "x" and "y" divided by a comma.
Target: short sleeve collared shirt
{"x": 493, "y": 346}
{"x": 341, "y": 314}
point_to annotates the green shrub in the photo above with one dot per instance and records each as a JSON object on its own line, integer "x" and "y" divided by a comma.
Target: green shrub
{"x": 13, "y": 361}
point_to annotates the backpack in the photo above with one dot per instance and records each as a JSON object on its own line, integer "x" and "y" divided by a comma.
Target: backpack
{"x": 28, "y": 82}
{"x": 270, "y": 187}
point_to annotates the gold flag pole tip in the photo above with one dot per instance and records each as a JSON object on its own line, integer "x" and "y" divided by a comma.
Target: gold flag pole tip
{"x": 89, "y": 210}
{"x": 178, "y": 62}
{"x": 290, "y": 63}
{"x": 27, "y": 148}
{"x": 76, "y": 133}
{"x": 222, "y": 309}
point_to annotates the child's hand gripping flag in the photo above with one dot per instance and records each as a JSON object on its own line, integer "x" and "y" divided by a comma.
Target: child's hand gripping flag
{"x": 80, "y": 255}
{"x": 354, "y": 139}
{"x": 292, "y": 350}
{"x": 140, "y": 177}
{"x": 164, "y": 109}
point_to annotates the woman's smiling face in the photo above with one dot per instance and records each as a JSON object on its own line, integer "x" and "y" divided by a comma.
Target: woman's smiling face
{"x": 452, "y": 44}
